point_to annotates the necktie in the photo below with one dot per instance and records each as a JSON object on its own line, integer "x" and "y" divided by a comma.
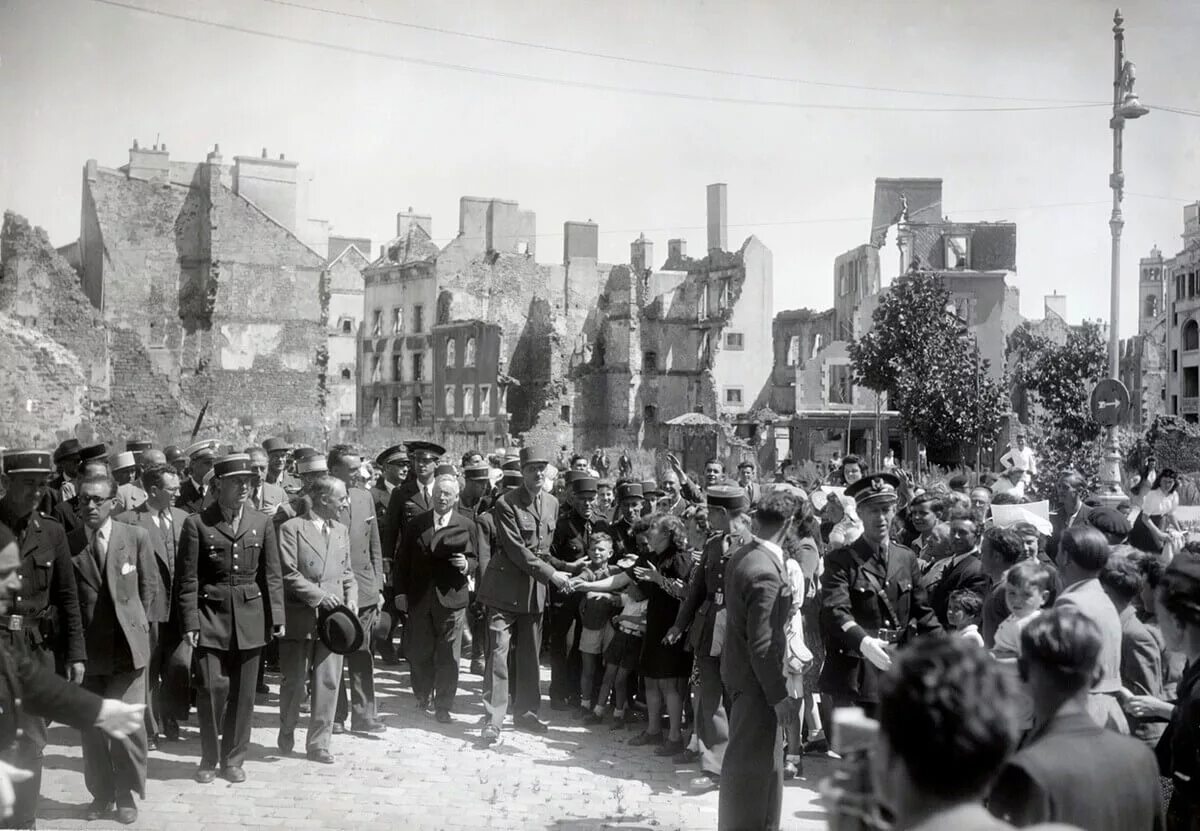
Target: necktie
{"x": 325, "y": 535}
{"x": 168, "y": 535}
{"x": 258, "y": 498}
{"x": 99, "y": 549}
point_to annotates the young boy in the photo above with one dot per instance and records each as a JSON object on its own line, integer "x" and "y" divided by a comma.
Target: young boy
{"x": 963, "y": 611}
{"x": 1026, "y": 590}
{"x": 621, "y": 656}
{"x": 594, "y": 613}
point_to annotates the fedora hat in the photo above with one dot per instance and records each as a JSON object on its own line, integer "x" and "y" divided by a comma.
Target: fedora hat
{"x": 340, "y": 630}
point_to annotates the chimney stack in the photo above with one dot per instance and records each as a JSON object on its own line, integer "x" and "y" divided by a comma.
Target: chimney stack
{"x": 149, "y": 165}
{"x": 406, "y": 219}
{"x": 717, "y": 230}
{"x": 641, "y": 254}
{"x": 581, "y": 240}
{"x": 676, "y": 250}
{"x": 273, "y": 186}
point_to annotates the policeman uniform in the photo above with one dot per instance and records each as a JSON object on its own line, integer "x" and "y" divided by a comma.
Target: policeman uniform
{"x": 230, "y": 595}
{"x": 191, "y": 491}
{"x": 409, "y": 499}
{"x": 381, "y": 491}
{"x": 868, "y": 593}
{"x": 698, "y": 614}
{"x": 47, "y": 598}
{"x": 621, "y": 528}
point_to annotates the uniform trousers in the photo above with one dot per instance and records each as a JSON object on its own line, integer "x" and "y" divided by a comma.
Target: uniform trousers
{"x": 434, "y": 648}
{"x": 752, "y": 776}
{"x": 357, "y": 698}
{"x": 31, "y": 738}
{"x": 165, "y": 702}
{"x": 521, "y": 635}
{"x": 712, "y": 724}
{"x": 298, "y": 660}
{"x": 225, "y": 703}
{"x": 115, "y": 768}
{"x": 566, "y": 664}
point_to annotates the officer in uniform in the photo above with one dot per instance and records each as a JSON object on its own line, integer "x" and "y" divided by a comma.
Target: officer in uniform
{"x": 47, "y": 591}
{"x": 277, "y": 465}
{"x": 568, "y": 553}
{"x": 871, "y": 600}
{"x": 200, "y": 462}
{"x": 393, "y": 463}
{"x": 231, "y": 602}
{"x": 698, "y": 613}
{"x": 630, "y": 503}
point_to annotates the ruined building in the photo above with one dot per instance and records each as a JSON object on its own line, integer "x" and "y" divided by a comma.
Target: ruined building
{"x": 204, "y": 288}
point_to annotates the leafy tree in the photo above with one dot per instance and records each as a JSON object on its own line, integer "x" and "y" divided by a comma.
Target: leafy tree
{"x": 935, "y": 377}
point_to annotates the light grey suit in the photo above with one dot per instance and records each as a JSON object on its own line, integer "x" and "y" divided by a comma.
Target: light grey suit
{"x": 314, "y": 565}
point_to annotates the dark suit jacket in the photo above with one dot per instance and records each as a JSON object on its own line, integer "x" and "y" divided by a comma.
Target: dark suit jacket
{"x": 485, "y": 539}
{"x": 851, "y": 609}
{"x": 28, "y": 686}
{"x": 1076, "y": 772}
{"x": 114, "y": 603}
{"x": 517, "y": 574}
{"x": 366, "y": 557}
{"x": 758, "y": 603}
{"x": 423, "y": 562}
{"x": 230, "y": 580}
{"x": 190, "y": 498}
{"x": 1058, "y": 525}
{"x": 967, "y": 574}
{"x": 165, "y": 591}
{"x": 408, "y": 502}
{"x": 66, "y": 516}
{"x": 312, "y": 570}
{"x": 272, "y": 497}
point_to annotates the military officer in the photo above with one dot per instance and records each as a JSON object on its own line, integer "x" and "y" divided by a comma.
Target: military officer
{"x": 630, "y": 503}
{"x": 47, "y": 593}
{"x": 231, "y": 602}
{"x": 264, "y": 497}
{"x": 277, "y": 465}
{"x": 393, "y": 463}
{"x": 871, "y": 600}
{"x": 568, "y": 553}
{"x": 414, "y": 496}
{"x": 704, "y": 602}
{"x": 514, "y": 591}
{"x": 200, "y": 462}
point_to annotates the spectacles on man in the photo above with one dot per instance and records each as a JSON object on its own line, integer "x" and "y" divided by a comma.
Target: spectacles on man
{"x": 93, "y": 499}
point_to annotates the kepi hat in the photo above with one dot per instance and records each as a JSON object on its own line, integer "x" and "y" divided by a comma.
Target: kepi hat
{"x": 122, "y": 461}
{"x": 27, "y": 461}
{"x": 233, "y": 464}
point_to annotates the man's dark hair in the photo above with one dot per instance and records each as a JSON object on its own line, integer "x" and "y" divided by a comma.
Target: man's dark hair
{"x": 1064, "y": 643}
{"x": 98, "y": 478}
{"x": 1007, "y": 498}
{"x": 1086, "y": 547}
{"x": 945, "y": 710}
{"x": 1075, "y": 480}
{"x": 853, "y": 460}
{"x": 716, "y": 462}
{"x": 338, "y": 453}
{"x": 1122, "y": 578}
{"x": 1150, "y": 566}
{"x": 579, "y": 457}
{"x": 1006, "y": 543}
{"x": 152, "y": 477}
{"x": 935, "y": 503}
{"x": 968, "y": 601}
{"x": 776, "y": 508}
{"x": 963, "y": 515}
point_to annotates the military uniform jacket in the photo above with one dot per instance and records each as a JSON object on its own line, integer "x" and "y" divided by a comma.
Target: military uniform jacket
{"x": 408, "y": 501}
{"x": 758, "y": 603}
{"x": 230, "y": 581}
{"x": 65, "y": 515}
{"x": 28, "y": 686}
{"x": 705, "y": 595}
{"x": 423, "y": 563}
{"x": 366, "y": 558}
{"x": 191, "y": 498}
{"x": 48, "y": 590}
{"x": 853, "y": 606}
{"x": 516, "y": 576}
{"x": 162, "y": 608}
{"x": 380, "y": 495}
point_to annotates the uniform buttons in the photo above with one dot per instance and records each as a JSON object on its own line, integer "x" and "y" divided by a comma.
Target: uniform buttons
{"x": 235, "y": 568}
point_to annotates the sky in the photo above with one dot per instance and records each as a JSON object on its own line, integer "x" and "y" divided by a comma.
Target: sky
{"x": 384, "y": 123}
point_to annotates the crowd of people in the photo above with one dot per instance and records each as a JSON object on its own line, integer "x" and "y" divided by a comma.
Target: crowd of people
{"x": 997, "y": 668}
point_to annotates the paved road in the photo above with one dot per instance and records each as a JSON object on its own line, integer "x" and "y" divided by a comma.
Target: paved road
{"x": 418, "y": 775}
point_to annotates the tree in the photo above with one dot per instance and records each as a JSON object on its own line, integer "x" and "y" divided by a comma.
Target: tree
{"x": 934, "y": 375}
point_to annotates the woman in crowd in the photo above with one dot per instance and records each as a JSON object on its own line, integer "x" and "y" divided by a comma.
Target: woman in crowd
{"x": 1152, "y": 528}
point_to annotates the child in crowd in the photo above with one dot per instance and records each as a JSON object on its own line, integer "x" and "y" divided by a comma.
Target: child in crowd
{"x": 964, "y": 610}
{"x": 1026, "y": 591}
{"x": 594, "y": 613}
{"x": 797, "y": 655}
{"x": 621, "y": 657}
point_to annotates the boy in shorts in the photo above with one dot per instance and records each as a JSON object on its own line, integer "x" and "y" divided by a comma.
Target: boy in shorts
{"x": 594, "y": 614}
{"x": 621, "y": 657}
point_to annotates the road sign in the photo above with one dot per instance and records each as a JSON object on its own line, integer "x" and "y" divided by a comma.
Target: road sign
{"x": 1110, "y": 402}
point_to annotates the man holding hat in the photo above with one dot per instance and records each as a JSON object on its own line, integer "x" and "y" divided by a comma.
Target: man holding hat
{"x": 871, "y": 599}
{"x": 514, "y": 591}
{"x": 705, "y": 601}
{"x": 231, "y": 601}
{"x": 200, "y": 461}
{"x": 317, "y": 576}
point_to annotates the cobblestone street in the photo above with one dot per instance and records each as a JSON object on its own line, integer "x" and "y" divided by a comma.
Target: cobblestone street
{"x": 418, "y": 775}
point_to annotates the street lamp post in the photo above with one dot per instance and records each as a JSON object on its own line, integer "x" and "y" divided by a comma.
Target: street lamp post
{"x": 1125, "y": 106}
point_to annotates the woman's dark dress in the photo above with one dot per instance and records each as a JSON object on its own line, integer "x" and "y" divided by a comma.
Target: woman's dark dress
{"x": 658, "y": 659}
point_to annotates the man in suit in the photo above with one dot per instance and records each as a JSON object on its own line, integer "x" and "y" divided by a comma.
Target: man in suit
{"x": 1082, "y": 554}
{"x": 962, "y": 570}
{"x": 474, "y": 504}
{"x": 1071, "y": 770}
{"x": 945, "y": 724}
{"x": 747, "y": 474}
{"x": 93, "y": 458}
{"x": 230, "y": 602}
{"x": 129, "y": 494}
{"x": 47, "y": 590}
{"x": 414, "y": 496}
{"x": 871, "y": 600}
{"x": 200, "y": 462}
{"x": 513, "y": 590}
{"x": 163, "y": 522}
{"x": 366, "y": 561}
{"x": 436, "y": 554}
{"x": 1069, "y": 492}
{"x": 758, "y": 604}
{"x": 317, "y": 575}
{"x": 1141, "y": 647}
{"x": 264, "y": 496}
{"x": 117, "y": 577}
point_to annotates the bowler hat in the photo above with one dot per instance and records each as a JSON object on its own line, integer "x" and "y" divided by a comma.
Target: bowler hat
{"x": 1109, "y": 521}
{"x": 875, "y": 488}
{"x": 27, "y": 461}
{"x": 275, "y": 443}
{"x": 340, "y": 630}
{"x": 232, "y": 464}
{"x": 122, "y": 461}
{"x": 534, "y": 456}
{"x": 67, "y": 449}
{"x": 383, "y": 625}
{"x": 455, "y": 540}
{"x": 92, "y": 451}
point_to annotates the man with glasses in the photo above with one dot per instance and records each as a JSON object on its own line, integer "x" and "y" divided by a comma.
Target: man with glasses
{"x": 163, "y": 522}
{"x": 230, "y": 603}
{"x": 47, "y": 589}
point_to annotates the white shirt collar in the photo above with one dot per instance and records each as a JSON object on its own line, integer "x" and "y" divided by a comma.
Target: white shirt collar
{"x": 775, "y": 550}
{"x": 440, "y": 521}
{"x": 104, "y": 532}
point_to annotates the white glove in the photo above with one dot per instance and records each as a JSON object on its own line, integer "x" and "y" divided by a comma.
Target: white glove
{"x": 10, "y": 775}
{"x": 875, "y": 651}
